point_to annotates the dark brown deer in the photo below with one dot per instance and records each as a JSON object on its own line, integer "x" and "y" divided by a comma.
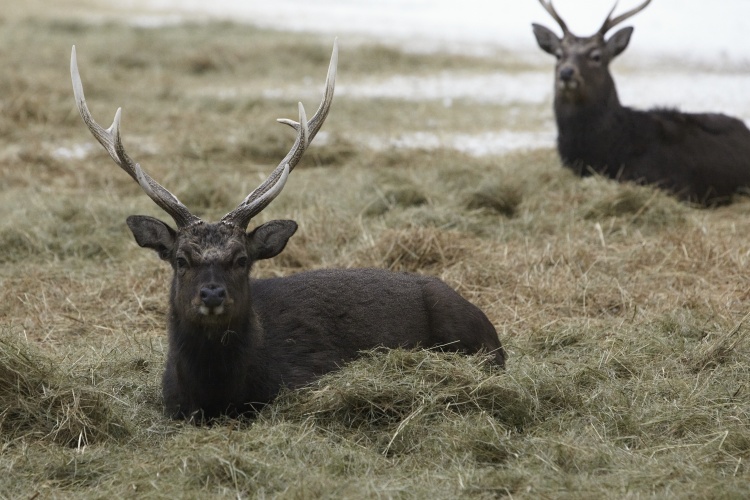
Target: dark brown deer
{"x": 234, "y": 342}
{"x": 702, "y": 158}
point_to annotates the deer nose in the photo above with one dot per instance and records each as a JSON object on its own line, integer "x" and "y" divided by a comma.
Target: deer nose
{"x": 566, "y": 74}
{"x": 213, "y": 295}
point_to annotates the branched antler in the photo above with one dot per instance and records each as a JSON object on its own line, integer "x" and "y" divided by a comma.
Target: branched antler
{"x": 110, "y": 139}
{"x": 257, "y": 200}
{"x": 610, "y": 23}
{"x": 547, "y": 4}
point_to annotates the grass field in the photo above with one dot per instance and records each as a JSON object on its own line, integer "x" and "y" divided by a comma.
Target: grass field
{"x": 624, "y": 312}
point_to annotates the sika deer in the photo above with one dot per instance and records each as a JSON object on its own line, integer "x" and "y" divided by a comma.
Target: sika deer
{"x": 234, "y": 342}
{"x": 702, "y": 158}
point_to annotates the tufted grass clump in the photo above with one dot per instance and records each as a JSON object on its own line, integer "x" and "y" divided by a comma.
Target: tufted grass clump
{"x": 42, "y": 402}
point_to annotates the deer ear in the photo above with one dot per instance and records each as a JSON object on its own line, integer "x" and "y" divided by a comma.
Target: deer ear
{"x": 153, "y": 233}
{"x": 269, "y": 239}
{"x": 547, "y": 40}
{"x": 618, "y": 42}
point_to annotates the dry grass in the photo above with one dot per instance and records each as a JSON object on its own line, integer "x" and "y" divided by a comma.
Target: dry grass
{"x": 624, "y": 312}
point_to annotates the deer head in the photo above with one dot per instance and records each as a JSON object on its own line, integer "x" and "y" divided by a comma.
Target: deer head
{"x": 211, "y": 261}
{"x": 582, "y": 72}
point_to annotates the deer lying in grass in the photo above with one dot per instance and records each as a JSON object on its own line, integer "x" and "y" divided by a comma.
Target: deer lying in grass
{"x": 702, "y": 158}
{"x": 234, "y": 342}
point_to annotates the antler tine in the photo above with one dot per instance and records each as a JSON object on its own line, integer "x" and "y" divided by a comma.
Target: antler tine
{"x": 110, "y": 139}
{"x": 257, "y": 200}
{"x": 547, "y": 4}
{"x": 610, "y": 23}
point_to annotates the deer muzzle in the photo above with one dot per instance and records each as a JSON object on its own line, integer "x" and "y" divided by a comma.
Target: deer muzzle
{"x": 567, "y": 79}
{"x": 212, "y": 300}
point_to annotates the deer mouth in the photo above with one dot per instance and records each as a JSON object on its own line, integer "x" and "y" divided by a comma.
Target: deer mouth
{"x": 207, "y": 312}
{"x": 568, "y": 85}
{"x": 211, "y": 311}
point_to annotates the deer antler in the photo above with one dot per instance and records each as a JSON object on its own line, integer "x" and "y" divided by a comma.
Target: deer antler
{"x": 547, "y": 4}
{"x": 110, "y": 139}
{"x": 257, "y": 200}
{"x": 610, "y": 23}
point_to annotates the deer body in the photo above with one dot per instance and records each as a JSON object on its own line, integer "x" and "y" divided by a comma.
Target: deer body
{"x": 299, "y": 327}
{"x": 235, "y": 342}
{"x": 700, "y": 157}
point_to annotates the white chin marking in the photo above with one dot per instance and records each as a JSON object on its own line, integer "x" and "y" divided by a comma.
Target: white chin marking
{"x": 216, "y": 311}
{"x": 569, "y": 85}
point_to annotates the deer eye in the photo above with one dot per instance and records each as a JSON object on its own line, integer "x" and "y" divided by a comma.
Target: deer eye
{"x": 181, "y": 263}
{"x": 558, "y": 54}
{"x": 241, "y": 261}
{"x": 596, "y": 56}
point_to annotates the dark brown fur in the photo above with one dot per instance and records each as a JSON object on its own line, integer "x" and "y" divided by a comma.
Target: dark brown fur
{"x": 285, "y": 332}
{"x": 702, "y": 158}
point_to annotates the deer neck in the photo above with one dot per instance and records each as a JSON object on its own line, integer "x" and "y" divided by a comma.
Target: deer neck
{"x": 231, "y": 335}
{"x": 590, "y": 114}
{"x": 589, "y": 107}
{"x": 589, "y": 129}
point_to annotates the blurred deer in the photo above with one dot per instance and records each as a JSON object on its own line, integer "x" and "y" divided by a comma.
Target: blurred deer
{"x": 702, "y": 158}
{"x": 234, "y": 342}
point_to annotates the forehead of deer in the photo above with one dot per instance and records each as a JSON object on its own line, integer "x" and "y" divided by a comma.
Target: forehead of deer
{"x": 209, "y": 242}
{"x": 576, "y": 44}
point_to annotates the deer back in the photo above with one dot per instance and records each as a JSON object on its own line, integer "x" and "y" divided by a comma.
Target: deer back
{"x": 339, "y": 312}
